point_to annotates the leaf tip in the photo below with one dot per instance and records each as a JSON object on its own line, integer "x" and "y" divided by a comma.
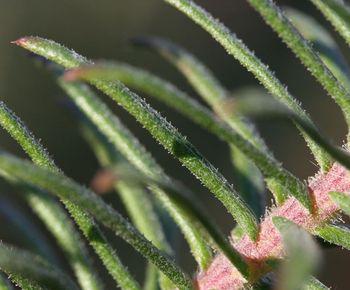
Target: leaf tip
{"x": 22, "y": 41}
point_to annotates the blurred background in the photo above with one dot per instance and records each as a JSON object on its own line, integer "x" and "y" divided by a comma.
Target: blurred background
{"x": 101, "y": 30}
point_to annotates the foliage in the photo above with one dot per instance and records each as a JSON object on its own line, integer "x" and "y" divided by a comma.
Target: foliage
{"x": 280, "y": 243}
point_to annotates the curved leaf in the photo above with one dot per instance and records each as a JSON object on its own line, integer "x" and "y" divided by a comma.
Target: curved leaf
{"x": 250, "y": 185}
{"x": 189, "y": 206}
{"x": 235, "y": 47}
{"x": 338, "y": 13}
{"x": 342, "y": 200}
{"x": 160, "y": 129}
{"x": 138, "y": 205}
{"x": 314, "y": 284}
{"x": 4, "y": 284}
{"x": 167, "y": 93}
{"x": 323, "y": 42}
{"x": 261, "y": 105}
{"x": 303, "y": 50}
{"x": 335, "y": 235}
{"x": 56, "y": 183}
{"x": 29, "y": 231}
{"x": 126, "y": 143}
{"x": 202, "y": 80}
{"x": 303, "y": 255}
{"x": 31, "y": 267}
{"x": 56, "y": 219}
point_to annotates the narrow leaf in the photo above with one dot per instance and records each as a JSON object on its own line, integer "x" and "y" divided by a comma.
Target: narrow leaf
{"x": 323, "y": 42}
{"x": 167, "y": 93}
{"x": 28, "y": 230}
{"x": 161, "y": 130}
{"x": 314, "y": 284}
{"x": 263, "y": 106}
{"x": 190, "y": 207}
{"x": 57, "y": 184}
{"x": 335, "y": 235}
{"x": 251, "y": 185}
{"x": 126, "y": 143}
{"x": 342, "y": 200}
{"x": 29, "y": 266}
{"x": 4, "y": 284}
{"x": 57, "y": 221}
{"x": 25, "y": 284}
{"x": 337, "y": 12}
{"x": 302, "y": 255}
{"x": 235, "y": 47}
{"x": 183, "y": 150}
{"x": 138, "y": 205}
{"x": 303, "y": 50}
{"x": 202, "y": 80}
{"x": 249, "y": 180}
{"x": 151, "y": 278}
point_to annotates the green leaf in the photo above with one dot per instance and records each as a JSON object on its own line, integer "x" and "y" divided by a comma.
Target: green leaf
{"x": 62, "y": 228}
{"x": 25, "y": 284}
{"x": 342, "y": 200}
{"x": 160, "y": 129}
{"x": 314, "y": 284}
{"x": 235, "y": 47}
{"x": 4, "y": 284}
{"x": 30, "y": 233}
{"x": 126, "y": 143}
{"x": 251, "y": 185}
{"x": 249, "y": 179}
{"x": 335, "y": 235}
{"x": 135, "y": 199}
{"x": 183, "y": 150}
{"x": 261, "y": 105}
{"x": 65, "y": 188}
{"x": 57, "y": 221}
{"x": 281, "y": 182}
{"x": 322, "y": 41}
{"x": 302, "y": 255}
{"x": 303, "y": 50}
{"x": 189, "y": 206}
{"x": 151, "y": 278}
{"x": 31, "y": 267}
{"x": 201, "y": 79}
{"x": 338, "y": 14}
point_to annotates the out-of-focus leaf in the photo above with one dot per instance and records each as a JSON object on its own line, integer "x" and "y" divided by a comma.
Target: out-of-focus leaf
{"x": 302, "y": 255}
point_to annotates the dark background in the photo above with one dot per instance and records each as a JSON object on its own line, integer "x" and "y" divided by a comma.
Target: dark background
{"x": 101, "y": 29}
